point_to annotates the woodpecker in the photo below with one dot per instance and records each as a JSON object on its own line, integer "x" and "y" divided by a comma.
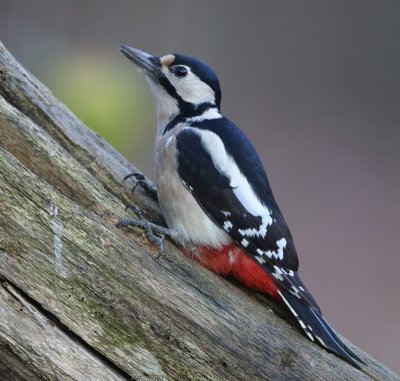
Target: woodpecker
{"x": 215, "y": 195}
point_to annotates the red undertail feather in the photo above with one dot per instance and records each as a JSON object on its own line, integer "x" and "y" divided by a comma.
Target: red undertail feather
{"x": 232, "y": 260}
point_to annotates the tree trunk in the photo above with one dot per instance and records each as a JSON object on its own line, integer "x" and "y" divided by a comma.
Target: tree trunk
{"x": 83, "y": 300}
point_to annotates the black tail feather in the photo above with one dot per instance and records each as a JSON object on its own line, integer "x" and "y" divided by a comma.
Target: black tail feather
{"x": 317, "y": 329}
{"x": 343, "y": 345}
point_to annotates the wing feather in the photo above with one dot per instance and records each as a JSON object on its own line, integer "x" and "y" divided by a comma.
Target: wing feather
{"x": 229, "y": 199}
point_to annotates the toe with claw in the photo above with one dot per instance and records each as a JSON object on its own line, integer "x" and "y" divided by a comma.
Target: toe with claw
{"x": 154, "y": 233}
{"x": 141, "y": 181}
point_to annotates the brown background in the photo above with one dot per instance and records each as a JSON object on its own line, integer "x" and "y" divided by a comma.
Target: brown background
{"x": 315, "y": 85}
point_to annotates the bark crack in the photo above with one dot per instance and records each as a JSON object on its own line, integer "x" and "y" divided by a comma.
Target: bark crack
{"x": 42, "y": 315}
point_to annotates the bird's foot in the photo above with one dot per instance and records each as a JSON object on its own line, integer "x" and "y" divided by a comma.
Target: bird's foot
{"x": 141, "y": 181}
{"x": 154, "y": 233}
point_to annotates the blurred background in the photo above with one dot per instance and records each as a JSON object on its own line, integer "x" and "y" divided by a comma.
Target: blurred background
{"x": 315, "y": 85}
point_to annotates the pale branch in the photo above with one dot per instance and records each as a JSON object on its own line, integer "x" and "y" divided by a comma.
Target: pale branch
{"x": 83, "y": 300}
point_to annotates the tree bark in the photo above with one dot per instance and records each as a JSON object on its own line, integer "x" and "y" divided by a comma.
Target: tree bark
{"x": 83, "y": 300}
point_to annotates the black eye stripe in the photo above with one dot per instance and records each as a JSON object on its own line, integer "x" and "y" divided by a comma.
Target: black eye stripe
{"x": 179, "y": 71}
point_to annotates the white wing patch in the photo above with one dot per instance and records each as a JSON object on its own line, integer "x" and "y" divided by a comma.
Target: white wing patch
{"x": 260, "y": 232}
{"x": 275, "y": 254}
{"x": 241, "y": 187}
{"x": 295, "y": 292}
{"x": 278, "y": 274}
{"x": 260, "y": 260}
{"x": 228, "y": 225}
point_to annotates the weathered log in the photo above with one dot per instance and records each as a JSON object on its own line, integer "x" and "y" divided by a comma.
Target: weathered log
{"x": 83, "y": 300}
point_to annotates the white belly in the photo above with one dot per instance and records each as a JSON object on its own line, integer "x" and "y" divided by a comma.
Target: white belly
{"x": 184, "y": 216}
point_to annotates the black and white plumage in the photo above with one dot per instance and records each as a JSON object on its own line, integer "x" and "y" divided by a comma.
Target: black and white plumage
{"x": 214, "y": 192}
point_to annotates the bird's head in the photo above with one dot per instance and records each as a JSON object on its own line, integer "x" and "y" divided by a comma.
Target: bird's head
{"x": 181, "y": 85}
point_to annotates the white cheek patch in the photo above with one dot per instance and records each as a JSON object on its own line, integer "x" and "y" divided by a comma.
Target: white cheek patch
{"x": 195, "y": 91}
{"x": 191, "y": 88}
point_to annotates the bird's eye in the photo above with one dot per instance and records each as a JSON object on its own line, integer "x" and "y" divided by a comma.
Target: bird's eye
{"x": 179, "y": 71}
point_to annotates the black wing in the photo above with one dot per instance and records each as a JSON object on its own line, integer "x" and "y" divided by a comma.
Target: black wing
{"x": 213, "y": 192}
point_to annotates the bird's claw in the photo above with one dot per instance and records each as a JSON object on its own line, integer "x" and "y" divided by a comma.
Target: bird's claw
{"x": 154, "y": 233}
{"x": 135, "y": 210}
{"x": 141, "y": 180}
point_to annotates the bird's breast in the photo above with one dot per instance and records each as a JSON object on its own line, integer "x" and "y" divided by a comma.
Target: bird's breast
{"x": 182, "y": 213}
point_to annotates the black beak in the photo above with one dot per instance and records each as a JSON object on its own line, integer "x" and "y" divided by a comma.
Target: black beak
{"x": 148, "y": 63}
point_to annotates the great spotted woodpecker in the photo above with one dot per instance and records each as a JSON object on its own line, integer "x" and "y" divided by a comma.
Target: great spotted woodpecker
{"x": 215, "y": 196}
